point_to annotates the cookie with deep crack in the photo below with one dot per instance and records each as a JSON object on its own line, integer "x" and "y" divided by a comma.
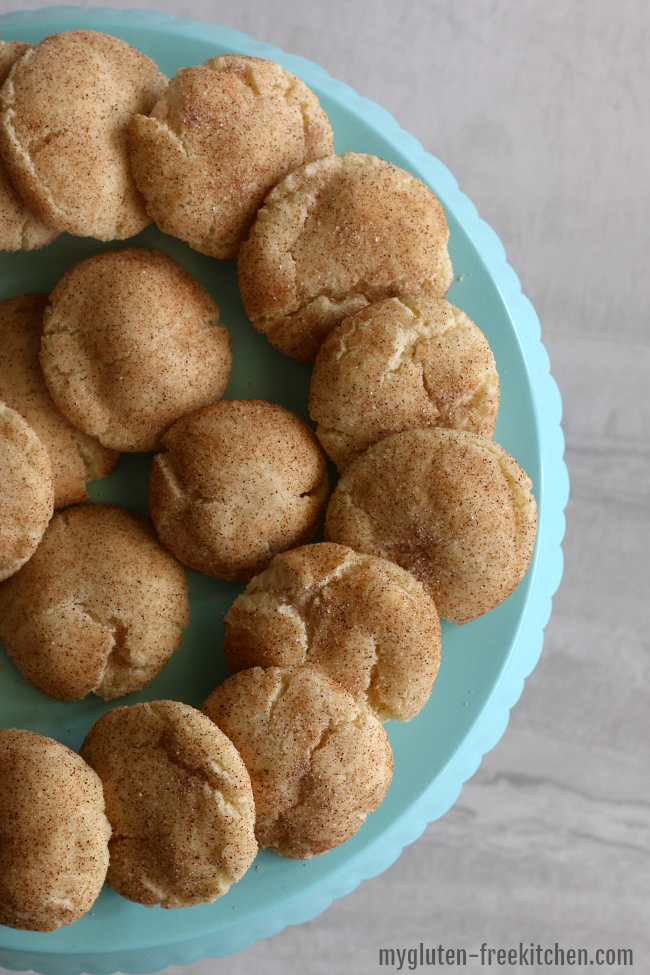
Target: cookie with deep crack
{"x": 64, "y": 115}
{"x": 20, "y": 228}
{"x": 334, "y": 236}
{"x": 26, "y": 491}
{"x": 99, "y": 607}
{"x": 222, "y": 135}
{"x": 453, "y": 508}
{"x": 53, "y": 833}
{"x": 76, "y": 458}
{"x": 361, "y": 620}
{"x": 131, "y": 342}
{"x": 241, "y": 480}
{"x": 179, "y": 800}
{"x": 318, "y": 759}
{"x": 399, "y": 364}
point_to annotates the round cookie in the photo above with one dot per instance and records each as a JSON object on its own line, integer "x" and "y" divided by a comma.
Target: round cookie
{"x": 99, "y": 606}
{"x": 75, "y": 457}
{"x": 318, "y": 759}
{"x": 241, "y": 481}
{"x": 222, "y": 135}
{"x": 53, "y": 833}
{"x": 453, "y": 508}
{"x": 179, "y": 800}
{"x": 64, "y": 115}
{"x": 26, "y": 491}
{"x": 131, "y": 342}
{"x": 363, "y": 621}
{"x": 398, "y": 364}
{"x": 20, "y": 228}
{"x": 334, "y": 236}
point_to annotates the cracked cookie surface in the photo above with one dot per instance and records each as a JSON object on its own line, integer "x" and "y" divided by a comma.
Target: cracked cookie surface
{"x": 361, "y": 620}
{"x": 334, "y": 236}
{"x": 131, "y": 342}
{"x": 222, "y": 135}
{"x": 26, "y": 491}
{"x": 399, "y": 364}
{"x": 99, "y": 606}
{"x": 241, "y": 481}
{"x": 20, "y": 228}
{"x": 179, "y": 800}
{"x": 76, "y": 458}
{"x": 53, "y": 833}
{"x": 318, "y": 759}
{"x": 453, "y": 508}
{"x": 64, "y": 114}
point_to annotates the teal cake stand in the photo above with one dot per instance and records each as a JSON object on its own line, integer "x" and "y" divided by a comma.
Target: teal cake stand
{"x": 484, "y": 663}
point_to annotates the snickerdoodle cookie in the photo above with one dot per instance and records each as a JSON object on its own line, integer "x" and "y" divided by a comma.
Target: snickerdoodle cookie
{"x": 99, "y": 606}
{"x": 53, "y": 833}
{"x": 26, "y": 491}
{"x": 241, "y": 481}
{"x": 318, "y": 759}
{"x": 363, "y": 621}
{"x": 20, "y": 228}
{"x": 179, "y": 800}
{"x": 76, "y": 458}
{"x": 332, "y": 237}
{"x": 222, "y": 135}
{"x": 453, "y": 508}
{"x": 64, "y": 115}
{"x": 131, "y": 342}
{"x": 398, "y": 364}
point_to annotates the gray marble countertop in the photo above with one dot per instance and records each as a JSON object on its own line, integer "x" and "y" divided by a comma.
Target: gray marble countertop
{"x": 541, "y": 110}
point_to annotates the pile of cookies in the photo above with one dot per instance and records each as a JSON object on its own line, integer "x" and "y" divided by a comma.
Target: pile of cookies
{"x": 343, "y": 264}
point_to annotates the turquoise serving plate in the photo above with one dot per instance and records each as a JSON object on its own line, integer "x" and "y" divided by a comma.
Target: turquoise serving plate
{"x": 484, "y": 663}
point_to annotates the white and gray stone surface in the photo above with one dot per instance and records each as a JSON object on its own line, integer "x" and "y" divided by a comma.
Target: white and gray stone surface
{"x": 541, "y": 110}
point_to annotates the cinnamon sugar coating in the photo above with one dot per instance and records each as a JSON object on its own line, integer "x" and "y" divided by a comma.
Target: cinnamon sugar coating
{"x": 319, "y": 761}
{"x": 131, "y": 342}
{"x": 453, "y": 508}
{"x": 99, "y": 606}
{"x": 361, "y": 620}
{"x": 64, "y": 115}
{"x": 399, "y": 364}
{"x": 334, "y": 236}
{"x": 218, "y": 140}
{"x": 179, "y": 800}
{"x": 53, "y": 833}
{"x": 26, "y": 491}
{"x": 76, "y": 458}
{"x": 20, "y": 228}
{"x": 241, "y": 481}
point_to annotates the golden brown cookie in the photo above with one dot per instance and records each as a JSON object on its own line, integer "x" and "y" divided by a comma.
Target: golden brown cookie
{"x": 453, "y": 508}
{"x": 76, "y": 458}
{"x": 319, "y": 761}
{"x": 398, "y": 364}
{"x": 53, "y": 833}
{"x": 241, "y": 481}
{"x": 99, "y": 607}
{"x": 222, "y": 135}
{"x": 334, "y": 236}
{"x": 26, "y": 491}
{"x": 20, "y": 228}
{"x": 64, "y": 115}
{"x": 131, "y": 342}
{"x": 363, "y": 621}
{"x": 179, "y": 800}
